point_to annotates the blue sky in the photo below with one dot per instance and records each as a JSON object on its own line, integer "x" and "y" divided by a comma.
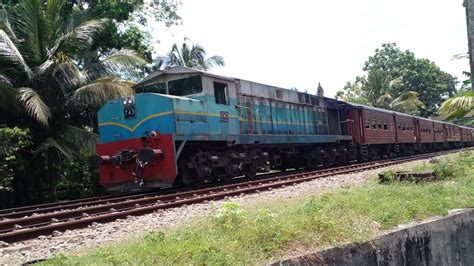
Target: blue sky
{"x": 300, "y": 43}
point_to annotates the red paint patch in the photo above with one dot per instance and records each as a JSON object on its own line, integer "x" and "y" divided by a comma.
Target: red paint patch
{"x": 160, "y": 173}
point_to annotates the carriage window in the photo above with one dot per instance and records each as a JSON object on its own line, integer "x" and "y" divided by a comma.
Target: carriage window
{"x": 185, "y": 86}
{"x": 156, "y": 88}
{"x": 380, "y": 125}
{"x": 367, "y": 124}
{"x": 374, "y": 126}
{"x": 220, "y": 92}
{"x": 385, "y": 127}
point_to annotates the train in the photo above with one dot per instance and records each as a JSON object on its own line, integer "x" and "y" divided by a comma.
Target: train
{"x": 186, "y": 127}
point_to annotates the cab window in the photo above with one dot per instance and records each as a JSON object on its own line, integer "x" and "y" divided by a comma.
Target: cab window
{"x": 156, "y": 88}
{"x": 185, "y": 86}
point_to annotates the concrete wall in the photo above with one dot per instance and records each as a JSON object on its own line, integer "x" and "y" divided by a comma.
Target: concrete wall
{"x": 445, "y": 241}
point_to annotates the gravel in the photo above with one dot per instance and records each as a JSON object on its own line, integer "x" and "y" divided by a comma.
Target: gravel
{"x": 76, "y": 241}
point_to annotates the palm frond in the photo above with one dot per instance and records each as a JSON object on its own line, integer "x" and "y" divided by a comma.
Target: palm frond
{"x": 213, "y": 61}
{"x": 384, "y": 100}
{"x": 68, "y": 76}
{"x": 5, "y": 24}
{"x": 197, "y": 57}
{"x": 407, "y": 102}
{"x": 46, "y": 68}
{"x": 51, "y": 143}
{"x": 10, "y": 54}
{"x": 458, "y": 107}
{"x": 176, "y": 57}
{"x": 82, "y": 37}
{"x": 30, "y": 26}
{"x": 53, "y": 19}
{"x": 97, "y": 93}
{"x": 161, "y": 62}
{"x": 188, "y": 55}
{"x": 79, "y": 139}
{"x": 119, "y": 62}
{"x": 34, "y": 105}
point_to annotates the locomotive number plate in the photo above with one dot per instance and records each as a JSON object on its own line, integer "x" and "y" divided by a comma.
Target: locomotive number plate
{"x": 224, "y": 116}
{"x": 129, "y": 112}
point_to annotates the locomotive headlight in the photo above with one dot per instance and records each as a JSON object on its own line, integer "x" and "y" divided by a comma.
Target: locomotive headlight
{"x": 130, "y": 101}
{"x": 125, "y": 101}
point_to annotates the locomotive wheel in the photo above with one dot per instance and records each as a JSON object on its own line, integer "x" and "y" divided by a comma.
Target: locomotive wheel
{"x": 188, "y": 177}
{"x": 250, "y": 170}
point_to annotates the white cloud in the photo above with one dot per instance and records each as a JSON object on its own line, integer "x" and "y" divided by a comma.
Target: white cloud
{"x": 300, "y": 43}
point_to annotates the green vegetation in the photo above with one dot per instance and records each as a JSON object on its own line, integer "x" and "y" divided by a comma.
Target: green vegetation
{"x": 14, "y": 145}
{"x": 418, "y": 85}
{"x": 59, "y": 62}
{"x": 274, "y": 228}
{"x": 189, "y": 55}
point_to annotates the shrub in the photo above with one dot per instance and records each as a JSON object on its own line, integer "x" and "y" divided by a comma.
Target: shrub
{"x": 446, "y": 169}
{"x": 77, "y": 180}
{"x": 229, "y": 216}
{"x": 15, "y": 143}
{"x": 387, "y": 177}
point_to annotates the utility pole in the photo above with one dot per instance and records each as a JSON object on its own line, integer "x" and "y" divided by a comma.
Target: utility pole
{"x": 469, "y": 5}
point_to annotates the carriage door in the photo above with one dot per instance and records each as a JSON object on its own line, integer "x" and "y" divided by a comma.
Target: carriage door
{"x": 416, "y": 122}
{"x": 395, "y": 127}
{"x": 446, "y": 132}
{"x": 360, "y": 119}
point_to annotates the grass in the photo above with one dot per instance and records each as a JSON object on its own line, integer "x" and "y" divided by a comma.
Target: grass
{"x": 271, "y": 230}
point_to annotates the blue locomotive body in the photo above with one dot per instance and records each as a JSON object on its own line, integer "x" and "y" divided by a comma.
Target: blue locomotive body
{"x": 208, "y": 117}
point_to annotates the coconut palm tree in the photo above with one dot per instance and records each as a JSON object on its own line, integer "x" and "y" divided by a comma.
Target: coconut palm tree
{"x": 380, "y": 90}
{"x": 43, "y": 77}
{"x": 189, "y": 54}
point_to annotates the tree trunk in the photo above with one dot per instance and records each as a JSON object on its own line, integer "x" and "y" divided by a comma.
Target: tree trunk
{"x": 469, "y": 4}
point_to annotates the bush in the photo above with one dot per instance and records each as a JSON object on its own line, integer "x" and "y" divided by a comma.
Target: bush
{"x": 229, "y": 216}
{"x": 447, "y": 169}
{"x": 77, "y": 180}
{"x": 387, "y": 177}
{"x": 15, "y": 145}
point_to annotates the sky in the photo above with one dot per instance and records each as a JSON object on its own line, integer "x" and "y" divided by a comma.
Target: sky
{"x": 299, "y": 43}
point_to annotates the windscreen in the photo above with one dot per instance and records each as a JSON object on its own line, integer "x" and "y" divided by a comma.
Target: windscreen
{"x": 156, "y": 88}
{"x": 185, "y": 86}
{"x": 178, "y": 87}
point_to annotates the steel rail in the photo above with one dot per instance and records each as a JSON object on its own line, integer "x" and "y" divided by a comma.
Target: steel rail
{"x": 13, "y": 231}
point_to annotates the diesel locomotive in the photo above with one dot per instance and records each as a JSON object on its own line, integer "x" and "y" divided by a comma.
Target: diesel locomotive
{"x": 186, "y": 126}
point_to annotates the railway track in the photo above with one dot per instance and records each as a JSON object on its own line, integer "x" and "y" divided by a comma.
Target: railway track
{"x": 26, "y": 223}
